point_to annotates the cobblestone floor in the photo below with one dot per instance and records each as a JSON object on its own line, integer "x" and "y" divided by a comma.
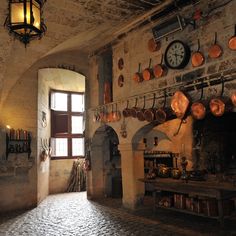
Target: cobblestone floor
{"x": 72, "y": 214}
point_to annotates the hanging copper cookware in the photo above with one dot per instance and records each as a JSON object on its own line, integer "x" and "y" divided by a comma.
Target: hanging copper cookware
{"x": 116, "y": 115}
{"x": 232, "y": 41}
{"x": 164, "y": 113}
{"x": 160, "y": 70}
{"x": 140, "y": 113}
{"x": 148, "y": 73}
{"x": 138, "y": 76}
{"x": 198, "y": 109}
{"x": 215, "y": 50}
{"x": 197, "y": 58}
{"x": 153, "y": 46}
{"x": 233, "y": 98}
{"x": 217, "y": 105}
{"x": 135, "y": 109}
{"x": 126, "y": 111}
{"x": 110, "y": 115}
{"x": 103, "y": 115}
{"x": 179, "y": 104}
{"x": 120, "y": 63}
{"x": 149, "y": 114}
{"x": 121, "y": 81}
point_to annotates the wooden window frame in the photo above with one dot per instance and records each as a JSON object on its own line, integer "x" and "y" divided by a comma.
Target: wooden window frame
{"x": 70, "y": 113}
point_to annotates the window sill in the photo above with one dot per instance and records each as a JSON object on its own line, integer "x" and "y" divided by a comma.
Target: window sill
{"x": 65, "y": 158}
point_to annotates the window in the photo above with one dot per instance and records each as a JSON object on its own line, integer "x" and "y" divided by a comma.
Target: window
{"x": 67, "y": 124}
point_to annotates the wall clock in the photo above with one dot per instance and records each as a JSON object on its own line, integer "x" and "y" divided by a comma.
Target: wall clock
{"x": 177, "y": 55}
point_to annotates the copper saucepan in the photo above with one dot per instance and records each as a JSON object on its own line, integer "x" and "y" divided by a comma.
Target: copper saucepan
{"x": 164, "y": 113}
{"x": 233, "y": 98}
{"x": 126, "y": 111}
{"x": 232, "y": 41}
{"x": 160, "y": 70}
{"x": 215, "y": 50}
{"x": 217, "y": 105}
{"x": 197, "y": 58}
{"x": 116, "y": 115}
{"x": 198, "y": 109}
{"x": 140, "y": 114}
{"x": 148, "y": 73}
{"x": 149, "y": 114}
{"x": 138, "y": 76}
{"x": 135, "y": 109}
{"x": 153, "y": 46}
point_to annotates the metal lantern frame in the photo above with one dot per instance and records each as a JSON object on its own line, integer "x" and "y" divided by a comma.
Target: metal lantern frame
{"x": 26, "y": 31}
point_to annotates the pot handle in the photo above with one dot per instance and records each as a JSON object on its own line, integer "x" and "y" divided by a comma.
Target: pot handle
{"x": 150, "y": 63}
{"x": 154, "y": 100}
{"x": 139, "y": 67}
{"x": 165, "y": 98}
{"x": 136, "y": 102}
{"x": 144, "y": 102}
{"x": 198, "y": 45}
{"x": 223, "y": 86}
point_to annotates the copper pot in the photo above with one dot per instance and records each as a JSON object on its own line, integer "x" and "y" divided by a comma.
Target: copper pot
{"x": 149, "y": 114}
{"x": 197, "y": 58}
{"x": 138, "y": 76}
{"x": 215, "y": 50}
{"x": 126, "y": 111}
{"x": 179, "y": 104}
{"x": 135, "y": 109}
{"x": 140, "y": 114}
{"x": 148, "y": 73}
{"x": 233, "y": 98}
{"x": 116, "y": 115}
{"x": 232, "y": 41}
{"x": 153, "y": 46}
{"x": 159, "y": 70}
{"x": 198, "y": 109}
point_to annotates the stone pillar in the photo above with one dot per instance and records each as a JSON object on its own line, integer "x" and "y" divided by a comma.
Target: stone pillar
{"x": 132, "y": 168}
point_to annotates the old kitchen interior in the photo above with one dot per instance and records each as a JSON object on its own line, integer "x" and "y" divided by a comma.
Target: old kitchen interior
{"x": 156, "y": 126}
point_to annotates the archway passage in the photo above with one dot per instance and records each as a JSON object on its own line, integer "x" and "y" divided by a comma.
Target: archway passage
{"x": 106, "y": 164}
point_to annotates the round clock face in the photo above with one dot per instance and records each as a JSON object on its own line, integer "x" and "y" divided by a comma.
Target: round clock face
{"x": 177, "y": 55}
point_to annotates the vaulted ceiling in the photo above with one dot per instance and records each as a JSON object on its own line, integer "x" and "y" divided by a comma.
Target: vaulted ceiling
{"x": 71, "y": 25}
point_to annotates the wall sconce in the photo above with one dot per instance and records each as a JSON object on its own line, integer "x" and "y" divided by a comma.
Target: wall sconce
{"x": 24, "y": 19}
{"x": 155, "y": 141}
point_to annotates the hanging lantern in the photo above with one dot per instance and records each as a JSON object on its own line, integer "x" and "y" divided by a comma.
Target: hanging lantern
{"x": 24, "y": 20}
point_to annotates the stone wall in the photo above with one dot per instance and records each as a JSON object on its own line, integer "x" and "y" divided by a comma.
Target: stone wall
{"x": 133, "y": 49}
{"x": 23, "y": 182}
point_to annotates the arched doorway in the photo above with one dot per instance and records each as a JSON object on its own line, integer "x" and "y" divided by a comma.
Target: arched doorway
{"x": 106, "y": 163}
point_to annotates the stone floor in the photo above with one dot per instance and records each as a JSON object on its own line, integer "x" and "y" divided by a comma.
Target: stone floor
{"x": 72, "y": 214}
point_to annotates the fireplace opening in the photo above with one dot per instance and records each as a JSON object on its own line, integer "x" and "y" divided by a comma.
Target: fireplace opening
{"x": 214, "y": 146}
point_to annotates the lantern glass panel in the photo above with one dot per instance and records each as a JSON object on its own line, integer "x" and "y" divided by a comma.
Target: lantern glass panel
{"x": 36, "y": 15}
{"x": 17, "y": 13}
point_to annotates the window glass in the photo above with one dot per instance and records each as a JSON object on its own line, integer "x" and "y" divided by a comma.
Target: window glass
{"x": 77, "y": 126}
{"x": 59, "y": 101}
{"x": 60, "y": 147}
{"x": 77, "y": 147}
{"x": 77, "y": 103}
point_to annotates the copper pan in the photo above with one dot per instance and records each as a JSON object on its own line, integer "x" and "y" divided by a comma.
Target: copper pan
{"x": 164, "y": 113}
{"x": 103, "y": 115}
{"x": 232, "y": 41}
{"x": 135, "y": 109}
{"x": 197, "y": 58}
{"x": 110, "y": 115}
{"x": 159, "y": 70}
{"x": 149, "y": 114}
{"x": 140, "y": 114}
{"x": 148, "y": 72}
{"x": 215, "y": 50}
{"x": 217, "y": 105}
{"x": 116, "y": 115}
{"x": 153, "y": 46}
{"x": 198, "y": 109}
{"x": 126, "y": 111}
{"x": 179, "y": 104}
{"x": 233, "y": 98}
{"x": 138, "y": 76}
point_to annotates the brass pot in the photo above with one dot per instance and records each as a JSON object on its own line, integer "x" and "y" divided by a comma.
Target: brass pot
{"x": 163, "y": 171}
{"x": 176, "y": 173}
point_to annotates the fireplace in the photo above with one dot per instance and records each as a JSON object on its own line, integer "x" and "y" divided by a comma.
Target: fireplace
{"x": 215, "y": 144}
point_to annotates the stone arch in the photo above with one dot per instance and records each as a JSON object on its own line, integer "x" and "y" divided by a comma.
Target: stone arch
{"x": 105, "y": 178}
